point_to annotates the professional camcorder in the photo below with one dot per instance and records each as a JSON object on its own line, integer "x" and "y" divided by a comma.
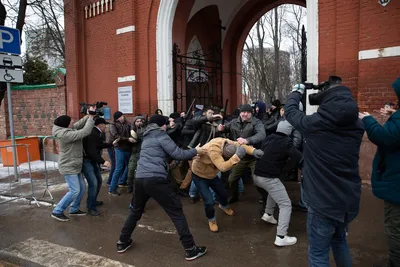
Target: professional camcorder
{"x": 315, "y": 99}
{"x": 99, "y": 108}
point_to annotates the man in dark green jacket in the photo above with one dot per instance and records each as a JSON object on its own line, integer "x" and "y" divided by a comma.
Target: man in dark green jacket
{"x": 386, "y": 172}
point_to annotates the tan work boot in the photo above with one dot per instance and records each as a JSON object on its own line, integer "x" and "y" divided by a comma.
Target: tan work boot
{"x": 213, "y": 226}
{"x": 228, "y": 211}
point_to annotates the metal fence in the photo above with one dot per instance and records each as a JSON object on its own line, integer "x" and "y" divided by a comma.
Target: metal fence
{"x": 51, "y": 173}
{"x": 13, "y": 185}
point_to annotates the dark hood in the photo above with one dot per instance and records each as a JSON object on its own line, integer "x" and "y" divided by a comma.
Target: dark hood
{"x": 338, "y": 106}
{"x": 152, "y": 127}
{"x": 262, "y": 109}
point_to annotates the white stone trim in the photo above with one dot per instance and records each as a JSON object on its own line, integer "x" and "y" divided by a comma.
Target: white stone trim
{"x": 165, "y": 20}
{"x": 129, "y": 78}
{"x": 312, "y": 49}
{"x": 126, "y": 29}
{"x": 378, "y": 53}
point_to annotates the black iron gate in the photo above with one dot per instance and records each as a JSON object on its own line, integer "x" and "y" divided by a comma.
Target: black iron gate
{"x": 303, "y": 55}
{"x": 197, "y": 76}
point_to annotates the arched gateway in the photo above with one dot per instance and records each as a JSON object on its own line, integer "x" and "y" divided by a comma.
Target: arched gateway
{"x": 130, "y": 45}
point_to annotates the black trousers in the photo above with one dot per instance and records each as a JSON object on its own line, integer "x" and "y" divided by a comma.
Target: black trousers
{"x": 161, "y": 190}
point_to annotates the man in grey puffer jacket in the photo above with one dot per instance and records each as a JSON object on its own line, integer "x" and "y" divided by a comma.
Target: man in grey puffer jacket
{"x": 70, "y": 162}
{"x": 152, "y": 181}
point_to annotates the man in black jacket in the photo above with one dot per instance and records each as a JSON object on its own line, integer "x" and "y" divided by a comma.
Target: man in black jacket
{"x": 331, "y": 182}
{"x": 246, "y": 130}
{"x": 280, "y": 156}
{"x": 152, "y": 182}
{"x": 92, "y": 146}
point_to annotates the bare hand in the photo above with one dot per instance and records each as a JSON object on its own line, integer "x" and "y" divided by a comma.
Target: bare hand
{"x": 242, "y": 141}
{"x": 221, "y": 127}
{"x": 361, "y": 115}
{"x": 115, "y": 142}
{"x": 200, "y": 150}
{"x": 107, "y": 164}
{"x": 132, "y": 140}
{"x": 387, "y": 111}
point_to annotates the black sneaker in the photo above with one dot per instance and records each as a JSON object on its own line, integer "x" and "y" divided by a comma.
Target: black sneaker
{"x": 193, "y": 200}
{"x": 60, "y": 217}
{"x": 77, "y": 213}
{"x": 114, "y": 193}
{"x": 195, "y": 253}
{"x": 122, "y": 247}
{"x": 99, "y": 203}
{"x": 94, "y": 212}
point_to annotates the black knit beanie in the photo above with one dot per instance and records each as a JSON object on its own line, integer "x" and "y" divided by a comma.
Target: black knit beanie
{"x": 159, "y": 119}
{"x": 117, "y": 115}
{"x": 63, "y": 121}
{"x": 246, "y": 107}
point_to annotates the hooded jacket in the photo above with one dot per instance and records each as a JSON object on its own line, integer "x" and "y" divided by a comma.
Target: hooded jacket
{"x": 331, "y": 181}
{"x": 208, "y": 165}
{"x": 157, "y": 149}
{"x": 71, "y": 149}
{"x": 385, "y": 166}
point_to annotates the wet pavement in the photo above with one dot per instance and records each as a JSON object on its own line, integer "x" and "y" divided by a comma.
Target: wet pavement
{"x": 29, "y": 237}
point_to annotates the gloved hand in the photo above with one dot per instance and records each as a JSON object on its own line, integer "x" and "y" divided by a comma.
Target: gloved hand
{"x": 258, "y": 153}
{"x": 240, "y": 152}
{"x": 299, "y": 88}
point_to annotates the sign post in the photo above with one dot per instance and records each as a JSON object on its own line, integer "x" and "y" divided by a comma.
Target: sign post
{"x": 11, "y": 71}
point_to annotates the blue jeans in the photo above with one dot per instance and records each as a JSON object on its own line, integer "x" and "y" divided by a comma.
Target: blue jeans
{"x": 215, "y": 184}
{"x": 74, "y": 197}
{"x": 324, "y": 233}
{"x": 111, "y": 154}
{"x": 93, "y": 177}
{"x": 193, "y": 192}
{"x": 120, "y": 174}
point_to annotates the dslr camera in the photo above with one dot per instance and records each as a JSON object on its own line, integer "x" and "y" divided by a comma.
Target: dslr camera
{"x": 315, "y": 99}
{"x": 99, "y": 108}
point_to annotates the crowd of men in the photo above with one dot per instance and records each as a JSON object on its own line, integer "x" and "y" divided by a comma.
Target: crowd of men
{"x": 193, "y": 154}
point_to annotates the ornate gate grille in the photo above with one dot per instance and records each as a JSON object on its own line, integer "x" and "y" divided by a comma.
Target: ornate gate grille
{"x": 197, "y": 76}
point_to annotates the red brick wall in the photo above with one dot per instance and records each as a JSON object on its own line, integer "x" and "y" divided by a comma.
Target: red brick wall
{"x": 4, "y": 128}
{"x": 346, "y": 29}
{"x": 35, "y": 109}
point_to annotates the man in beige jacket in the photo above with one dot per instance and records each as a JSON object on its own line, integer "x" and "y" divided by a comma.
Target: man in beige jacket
{"x": 221, "y": 155}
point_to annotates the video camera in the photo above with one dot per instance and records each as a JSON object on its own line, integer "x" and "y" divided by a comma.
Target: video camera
{"x": 99, "y": 108}
{"x": 315, "y": 99}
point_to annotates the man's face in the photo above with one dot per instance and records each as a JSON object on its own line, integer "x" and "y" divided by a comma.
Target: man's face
{"x": 159, "y": 112}
{"x": 182, "y": 114}
{"x": 245, "y": 115}
{"x": 209, "y": 114}
{"x": 121, "y": 119}
{"x": 257, "y": 109}
{"x": 282, "y": 111}
{"x": 102, "y": 127}
{"x": 138, "y": 123}
{"x": 273, "y": 107}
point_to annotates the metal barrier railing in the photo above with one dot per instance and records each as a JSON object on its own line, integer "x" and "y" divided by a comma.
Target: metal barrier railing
{"x": 52, "y": 176}
{"x": 13, "y": 185}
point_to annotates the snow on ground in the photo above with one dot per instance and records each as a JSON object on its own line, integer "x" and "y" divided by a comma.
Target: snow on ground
{"x": 36, "y": 166}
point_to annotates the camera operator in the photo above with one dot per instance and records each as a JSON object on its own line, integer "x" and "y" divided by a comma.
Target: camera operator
{"x": 92, "y": 146}
{"x": 121, "y": 136}
{"x": 331, "y": 182}
{"x": 70, "y": 162}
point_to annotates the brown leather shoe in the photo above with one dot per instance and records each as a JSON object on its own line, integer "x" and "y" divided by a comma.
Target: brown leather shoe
{"x": 228, "y": 211}
{"x": 213, "y": 226}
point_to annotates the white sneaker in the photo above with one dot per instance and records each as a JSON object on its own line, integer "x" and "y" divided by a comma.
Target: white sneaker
{"x": 269, "y": 219}
{"x": 286, "y": 241}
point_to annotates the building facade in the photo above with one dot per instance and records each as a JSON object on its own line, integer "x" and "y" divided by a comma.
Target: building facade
{"x": 140, "y": 55}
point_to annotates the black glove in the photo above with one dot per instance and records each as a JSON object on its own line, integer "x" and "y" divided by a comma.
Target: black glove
{"x": 240, "y": 152}
{"x": 258, "y": 153}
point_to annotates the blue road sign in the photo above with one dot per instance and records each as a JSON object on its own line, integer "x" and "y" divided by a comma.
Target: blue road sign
{"x": 10, "y": 41}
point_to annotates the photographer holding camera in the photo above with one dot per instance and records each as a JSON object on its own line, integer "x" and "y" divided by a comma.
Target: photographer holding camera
{"x": 70, "y": 162}
{"x": 331, "y": 182}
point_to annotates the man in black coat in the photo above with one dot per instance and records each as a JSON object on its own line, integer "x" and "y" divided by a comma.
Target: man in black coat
{"x": 331, "y": 182}
{"x": 92, "y": 146}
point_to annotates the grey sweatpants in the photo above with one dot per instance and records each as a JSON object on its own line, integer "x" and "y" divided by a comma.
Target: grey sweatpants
{"x": 276, "y": 195}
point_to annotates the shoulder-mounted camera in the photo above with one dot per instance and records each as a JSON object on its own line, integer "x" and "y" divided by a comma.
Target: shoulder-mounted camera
{"x": 315, "y": 99}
